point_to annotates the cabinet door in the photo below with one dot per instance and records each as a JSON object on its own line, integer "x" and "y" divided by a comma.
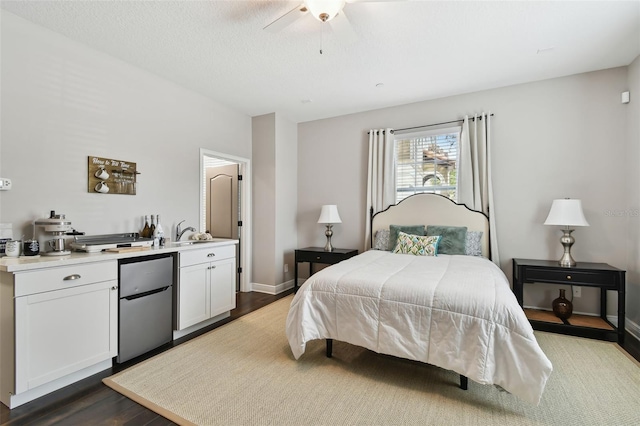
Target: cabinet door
{"x": 63, "y": 331}
{"x": 223, "y": 286}
{"x": 193, "y": 295}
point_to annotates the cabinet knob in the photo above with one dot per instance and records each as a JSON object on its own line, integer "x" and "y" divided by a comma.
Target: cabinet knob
{"x": 568, "y": 277}
{"x": 115, "y": 287}
{"x": 72, "y": 277}
{"x": 212, "y": 267}
{"x": 211, "y": 255}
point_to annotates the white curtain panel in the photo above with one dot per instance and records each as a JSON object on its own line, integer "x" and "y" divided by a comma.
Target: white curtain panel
{"x": 381, "y": 176}
{"x": 474, "y": 176}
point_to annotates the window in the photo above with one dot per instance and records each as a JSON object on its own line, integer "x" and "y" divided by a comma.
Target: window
{"x": 427, "y": 162}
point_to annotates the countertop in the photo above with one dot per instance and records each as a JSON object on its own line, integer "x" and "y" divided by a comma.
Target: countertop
{"x": 25, "y": 263}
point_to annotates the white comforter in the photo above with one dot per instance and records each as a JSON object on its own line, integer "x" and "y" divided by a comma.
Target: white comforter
{"x": 455, "y": 312}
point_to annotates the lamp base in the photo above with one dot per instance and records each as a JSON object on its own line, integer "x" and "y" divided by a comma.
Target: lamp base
{"x": 567, "y": 241}
{"x": 328, "y": 233}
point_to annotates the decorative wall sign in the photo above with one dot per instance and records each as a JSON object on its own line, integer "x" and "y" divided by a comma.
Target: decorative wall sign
{"x": 108, "y": 176}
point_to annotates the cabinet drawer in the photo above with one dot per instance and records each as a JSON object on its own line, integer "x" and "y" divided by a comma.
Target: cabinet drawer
{"x": 569, "y": 277}
{"x": 194, "y": 257}
{"x": 63, "y": 277}
{"x": 320, "y": 257}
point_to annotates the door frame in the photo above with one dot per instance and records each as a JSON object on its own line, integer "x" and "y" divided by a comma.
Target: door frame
{"x": 245, "y": 214}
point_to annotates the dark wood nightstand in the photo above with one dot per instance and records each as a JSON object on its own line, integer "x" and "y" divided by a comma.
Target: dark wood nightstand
{"x": 600, "y": 275}
{"x": 319, "y": 255}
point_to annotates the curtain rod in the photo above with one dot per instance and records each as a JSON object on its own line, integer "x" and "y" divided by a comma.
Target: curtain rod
{"x": 435, "y": 124}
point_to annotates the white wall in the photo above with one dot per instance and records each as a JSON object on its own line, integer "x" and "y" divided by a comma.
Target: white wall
{"x": 564, "y": 137}
{"x": 62, "y": 102}
{"x": 633, "y": 197}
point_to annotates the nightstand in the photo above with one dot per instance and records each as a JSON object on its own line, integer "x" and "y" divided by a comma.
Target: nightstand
{"x": 585, "y": 274}
{"x": 319, "y": 255}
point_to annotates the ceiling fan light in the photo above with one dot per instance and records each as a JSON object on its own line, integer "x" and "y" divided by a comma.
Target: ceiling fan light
{"x": 324, "y": 10}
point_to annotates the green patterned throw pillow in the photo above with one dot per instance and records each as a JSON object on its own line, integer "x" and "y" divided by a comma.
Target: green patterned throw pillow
{"x": 417, "y": 245}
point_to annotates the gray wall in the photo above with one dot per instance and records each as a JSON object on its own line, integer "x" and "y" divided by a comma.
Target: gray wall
{"x": 286, "y": 198}
{"x": 63, "y": 102}
{"x": 264, "y": 198}
{"x": 564, "y": 137}
{"x": 274, "y": 201}
{"x": 633, "y": 195}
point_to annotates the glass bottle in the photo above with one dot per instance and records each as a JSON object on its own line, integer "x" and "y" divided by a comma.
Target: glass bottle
{"x": 159, "y": 232}
{"x": 152, "y": 229}
{"x": 145, "y": 231}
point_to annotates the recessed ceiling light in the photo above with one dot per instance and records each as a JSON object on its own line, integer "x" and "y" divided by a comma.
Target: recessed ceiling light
{"x": 306, "y": 101}
{"x": 380, "y": 85}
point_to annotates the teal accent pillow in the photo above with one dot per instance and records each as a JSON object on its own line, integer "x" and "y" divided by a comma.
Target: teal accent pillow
{"x": 407, "y": 229}
{"x": 417, "y": 245}
{"x": 453, "y": 238}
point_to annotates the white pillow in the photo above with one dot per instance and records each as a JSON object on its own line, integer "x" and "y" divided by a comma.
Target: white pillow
{"x": 473, "y": 243}
{"x": 381, "y": 240}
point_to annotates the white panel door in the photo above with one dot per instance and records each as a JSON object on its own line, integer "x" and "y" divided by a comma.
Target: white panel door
{"x": 222, "y": 201}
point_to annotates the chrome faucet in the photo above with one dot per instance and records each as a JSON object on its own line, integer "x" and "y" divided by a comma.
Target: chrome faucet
{"x": 180, "y": 232}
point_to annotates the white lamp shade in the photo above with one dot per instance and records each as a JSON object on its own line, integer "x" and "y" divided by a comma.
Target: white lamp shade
{"x": 329, "y": 214}
{"x": 566, "y": 212}
{"x": 319, "y": 7}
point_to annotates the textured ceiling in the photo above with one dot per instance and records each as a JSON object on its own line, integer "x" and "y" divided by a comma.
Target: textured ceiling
{"x": 418, "y": 50}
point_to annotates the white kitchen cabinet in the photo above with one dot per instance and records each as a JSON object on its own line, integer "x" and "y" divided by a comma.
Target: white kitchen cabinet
{"x": 65, "y": 322}
{"x": 194, "y": 289}
{"x": 206, "y": 284}
{"x": 223, "y": 286}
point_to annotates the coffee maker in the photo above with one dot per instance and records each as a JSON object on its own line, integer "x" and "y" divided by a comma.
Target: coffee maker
{"x": 50, "y": 232}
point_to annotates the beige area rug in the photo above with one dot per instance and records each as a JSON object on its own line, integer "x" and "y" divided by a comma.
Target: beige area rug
{"x": 243, "y": 373}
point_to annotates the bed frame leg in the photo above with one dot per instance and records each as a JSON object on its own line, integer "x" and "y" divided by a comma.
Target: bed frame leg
{"x": 464, "y": 382}
{"x": 329, "y": 348}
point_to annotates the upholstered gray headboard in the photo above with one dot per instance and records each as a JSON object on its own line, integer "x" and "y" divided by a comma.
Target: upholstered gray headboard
{"x": 433, "y": 209}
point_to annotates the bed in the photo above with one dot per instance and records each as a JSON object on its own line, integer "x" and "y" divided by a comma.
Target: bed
{"x": 453, "y": 311}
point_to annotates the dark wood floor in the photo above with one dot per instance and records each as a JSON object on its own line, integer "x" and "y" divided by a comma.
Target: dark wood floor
{"x": 89, "y": 402}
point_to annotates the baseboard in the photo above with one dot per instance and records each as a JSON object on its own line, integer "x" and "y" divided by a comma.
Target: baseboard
{"x": 630, "y": 327}
{"x": 14, "y": 401}
{"x": 274, "y": 289}
{"x": 632, "y": 346}
{"x": 177, "y": 334}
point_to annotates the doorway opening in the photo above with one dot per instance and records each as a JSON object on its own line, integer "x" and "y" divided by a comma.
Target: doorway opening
{"x": 225, "y": 205}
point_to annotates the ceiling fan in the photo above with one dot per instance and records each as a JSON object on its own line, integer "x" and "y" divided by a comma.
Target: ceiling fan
{"x": 326, "y": 11}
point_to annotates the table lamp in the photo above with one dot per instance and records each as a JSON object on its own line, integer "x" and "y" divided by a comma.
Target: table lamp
{"x": 329, "y": 215}
{"x": 566, "y": 213}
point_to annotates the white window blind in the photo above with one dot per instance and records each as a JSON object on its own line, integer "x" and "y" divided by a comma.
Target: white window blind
{"x": 427, "y": 162}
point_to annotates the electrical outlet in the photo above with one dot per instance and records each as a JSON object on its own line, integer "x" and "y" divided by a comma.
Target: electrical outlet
{"x": 5, "y": 184}
{"x": 286, "y": 267}
{"x": 577, "y": 291}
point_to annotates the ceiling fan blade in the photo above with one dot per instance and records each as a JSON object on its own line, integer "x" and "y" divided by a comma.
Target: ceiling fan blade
{"x": 342, "y": 28}
{"x": 373, "y": 1}
{"x": 287, "y": 19}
